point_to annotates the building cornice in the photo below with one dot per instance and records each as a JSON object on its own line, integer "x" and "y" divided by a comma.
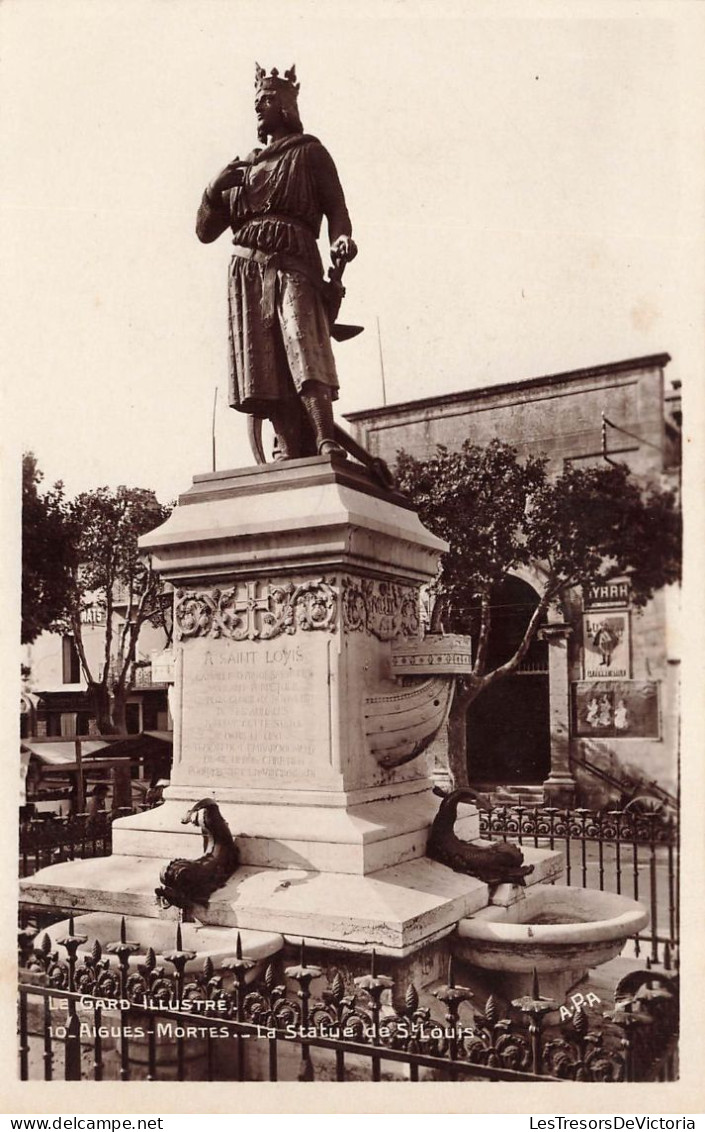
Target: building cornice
{"x": 609, "y": 369}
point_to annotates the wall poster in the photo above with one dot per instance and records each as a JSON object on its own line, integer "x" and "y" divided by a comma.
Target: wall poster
{"x": 616, "y": 709}
{"x": 606, "y": 645}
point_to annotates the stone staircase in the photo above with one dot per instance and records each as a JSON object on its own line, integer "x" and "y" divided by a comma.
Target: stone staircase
{"x": 529, "y": 796}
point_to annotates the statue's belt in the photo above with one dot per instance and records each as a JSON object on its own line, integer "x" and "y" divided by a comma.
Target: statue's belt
{"x": 272, "y": 263}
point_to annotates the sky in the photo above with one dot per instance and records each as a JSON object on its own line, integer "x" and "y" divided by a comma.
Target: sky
{"x": 521, "y": 181}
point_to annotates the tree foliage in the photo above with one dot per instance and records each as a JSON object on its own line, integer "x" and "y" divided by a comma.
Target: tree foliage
{"x": 501, "y": 514}
{"x": 47, "y": 552}
{"x": 106, "y": 570}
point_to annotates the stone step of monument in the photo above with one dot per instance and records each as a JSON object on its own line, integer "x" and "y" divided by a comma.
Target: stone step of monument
{"x": 356, "y": 839}
{"x": 397, "y": 908}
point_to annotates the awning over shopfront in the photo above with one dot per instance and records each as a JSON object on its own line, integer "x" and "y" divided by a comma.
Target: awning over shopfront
{"x": 144, "y": 744}
{"x": 61, "y": 752}
{"x": 57, "y": 757}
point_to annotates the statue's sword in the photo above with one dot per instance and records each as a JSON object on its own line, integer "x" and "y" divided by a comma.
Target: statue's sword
{"x": 334, "y": 295}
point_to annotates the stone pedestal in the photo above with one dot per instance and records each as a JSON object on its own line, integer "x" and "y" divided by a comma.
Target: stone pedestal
{"x": 293, "y": 583}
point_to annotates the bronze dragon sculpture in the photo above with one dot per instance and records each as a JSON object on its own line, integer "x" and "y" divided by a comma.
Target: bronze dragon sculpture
{"x": 498, "y": 863}
{"x": 187, "y": 882}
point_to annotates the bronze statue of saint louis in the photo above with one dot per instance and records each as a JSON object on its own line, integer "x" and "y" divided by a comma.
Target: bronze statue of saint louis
{"x": 281, "y": 309}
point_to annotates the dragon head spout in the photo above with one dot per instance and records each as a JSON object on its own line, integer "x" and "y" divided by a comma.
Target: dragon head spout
{"x": 200, "y": 812}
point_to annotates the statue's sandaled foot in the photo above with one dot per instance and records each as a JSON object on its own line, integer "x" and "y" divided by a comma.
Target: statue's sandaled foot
{"x": 330, "y": 448}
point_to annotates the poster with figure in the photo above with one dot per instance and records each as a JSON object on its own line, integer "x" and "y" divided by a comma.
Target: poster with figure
{"x": 620, "y": 709}
{"x": 606, "y": 645}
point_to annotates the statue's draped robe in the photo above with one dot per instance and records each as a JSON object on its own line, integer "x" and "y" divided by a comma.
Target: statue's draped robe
{"x": 279, "y": 328}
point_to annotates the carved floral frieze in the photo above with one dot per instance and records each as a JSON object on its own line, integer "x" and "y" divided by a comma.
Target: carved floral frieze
{"x": 261, "y": 609}
{"x": 256, "y": 610}
{"x": 387, "y": 610}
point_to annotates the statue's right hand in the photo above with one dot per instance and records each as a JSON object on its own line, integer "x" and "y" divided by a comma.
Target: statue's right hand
{"x": 233, "y": 174}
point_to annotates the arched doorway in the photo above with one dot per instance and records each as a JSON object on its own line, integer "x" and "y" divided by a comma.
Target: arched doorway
{"x": 508, "y": 727}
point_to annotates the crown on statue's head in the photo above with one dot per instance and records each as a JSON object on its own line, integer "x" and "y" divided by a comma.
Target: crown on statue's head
{"x": 274, "y": 82}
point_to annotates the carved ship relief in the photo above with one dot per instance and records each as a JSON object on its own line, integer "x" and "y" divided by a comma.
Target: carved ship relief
{"x": 400, "y": 724}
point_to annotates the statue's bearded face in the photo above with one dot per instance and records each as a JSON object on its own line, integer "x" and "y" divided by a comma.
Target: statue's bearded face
{"x": 268, "y": 110}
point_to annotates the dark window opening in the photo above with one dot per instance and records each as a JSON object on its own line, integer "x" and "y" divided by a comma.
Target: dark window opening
{"x": 152, "y": 709}
{"x": 83, "y": 723}
{"x": 71, "y": 662}
{"x": 132, "y": 719}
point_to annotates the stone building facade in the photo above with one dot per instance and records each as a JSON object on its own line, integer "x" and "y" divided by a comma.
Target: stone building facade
{"x": 55, "y": 700}
{"x": 593, "y": 714}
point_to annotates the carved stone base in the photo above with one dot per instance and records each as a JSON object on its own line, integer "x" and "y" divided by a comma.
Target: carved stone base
{"x": 396, "y": 910}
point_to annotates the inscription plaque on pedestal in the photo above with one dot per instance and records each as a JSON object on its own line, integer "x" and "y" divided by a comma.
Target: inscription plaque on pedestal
{"x": 256, "y": 713}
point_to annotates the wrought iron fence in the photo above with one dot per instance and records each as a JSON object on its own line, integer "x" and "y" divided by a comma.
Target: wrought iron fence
{"x": 625, "y": 851}
{"x": 97, "y": 1015}
{"x": 48, "y": 842}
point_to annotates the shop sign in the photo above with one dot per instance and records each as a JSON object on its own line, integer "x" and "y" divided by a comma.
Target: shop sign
{"x": 93, "y": 615}
{"x": 616, "y": 709}
{"x": 606, "y": 644}
{"x": 607, "y": 593}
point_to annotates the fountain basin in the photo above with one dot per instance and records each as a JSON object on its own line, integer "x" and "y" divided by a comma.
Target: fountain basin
{"x": 214, "y": 943}
{"x": 558, "y": 930}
